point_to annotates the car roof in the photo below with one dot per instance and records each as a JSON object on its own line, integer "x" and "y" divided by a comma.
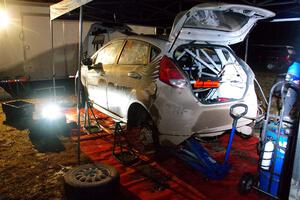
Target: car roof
{"x": 157, "y": 41}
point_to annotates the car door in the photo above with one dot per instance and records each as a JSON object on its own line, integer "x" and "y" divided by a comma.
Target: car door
{"x": 100, "y": 77}
{"x": 129, "y": 76}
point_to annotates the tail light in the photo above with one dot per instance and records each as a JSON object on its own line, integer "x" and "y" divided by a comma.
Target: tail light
{"x": 169, "y": 74}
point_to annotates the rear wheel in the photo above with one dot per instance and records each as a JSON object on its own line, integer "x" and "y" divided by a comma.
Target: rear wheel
{"x": 246, "y": 132}
{"x": 142, "y": 134}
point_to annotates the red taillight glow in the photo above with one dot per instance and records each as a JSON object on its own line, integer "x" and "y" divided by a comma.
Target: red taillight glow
{"x": 169, "y": 74}
{"x": 222, "y": 99}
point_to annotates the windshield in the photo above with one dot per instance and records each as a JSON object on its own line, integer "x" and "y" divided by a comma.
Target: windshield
{"x": 216, "y": 20}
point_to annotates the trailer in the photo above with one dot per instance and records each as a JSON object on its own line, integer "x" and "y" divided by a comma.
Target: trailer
{"x": 25, "y": 45}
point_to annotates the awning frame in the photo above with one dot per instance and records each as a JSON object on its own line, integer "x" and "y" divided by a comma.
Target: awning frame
{"x": 57, "y": 10}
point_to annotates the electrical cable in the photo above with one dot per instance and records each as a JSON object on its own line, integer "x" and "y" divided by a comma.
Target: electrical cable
{"x": 261, "y": 91}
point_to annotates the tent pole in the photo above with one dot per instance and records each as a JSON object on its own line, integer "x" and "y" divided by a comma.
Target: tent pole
{"x": 65, "y": 51}
{"x": 53, "y": 65}
{"x": 246, "y": 49}
{"x": 79, "y": 85}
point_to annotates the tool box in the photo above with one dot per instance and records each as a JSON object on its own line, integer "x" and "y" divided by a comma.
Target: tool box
{"x": 18, "y": 110}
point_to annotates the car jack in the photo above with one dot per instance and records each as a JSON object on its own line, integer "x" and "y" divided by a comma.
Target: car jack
{"x": 87, "y": 121}
{"x": 197, "y": 156}
{"x": 121, "y": 149}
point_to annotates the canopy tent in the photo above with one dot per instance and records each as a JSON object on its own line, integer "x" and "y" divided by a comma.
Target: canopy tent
{"x": 160, "y": 13}
{"x": 65, "y": 6}
{"x": 143, "y": 12}
{"x": 146, "y": 12}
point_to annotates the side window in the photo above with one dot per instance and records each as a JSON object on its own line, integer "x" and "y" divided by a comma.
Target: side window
{"x": 108, "y": 54}
{"x": 154, "y": 53}
{"x": 135, "y": 53}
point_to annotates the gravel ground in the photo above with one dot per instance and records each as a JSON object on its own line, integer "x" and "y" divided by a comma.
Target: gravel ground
{"x": 26, "y": 173}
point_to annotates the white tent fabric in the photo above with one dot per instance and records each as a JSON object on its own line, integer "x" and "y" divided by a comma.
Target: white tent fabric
{"x": 65, "y": 6}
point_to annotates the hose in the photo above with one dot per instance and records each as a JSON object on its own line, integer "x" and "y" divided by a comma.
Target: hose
{"x": 260, "y": 115}
{"x": 261, "y": 91}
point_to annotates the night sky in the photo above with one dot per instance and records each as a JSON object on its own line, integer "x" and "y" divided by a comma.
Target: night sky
{"x": 280, "y": 33}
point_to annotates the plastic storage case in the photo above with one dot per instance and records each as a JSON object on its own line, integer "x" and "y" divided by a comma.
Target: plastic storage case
{"x": 16, "y": 110}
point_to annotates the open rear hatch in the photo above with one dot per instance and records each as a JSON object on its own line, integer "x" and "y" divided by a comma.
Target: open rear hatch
{"x": 200, "y": 37}
{"x": 217, "y": 23}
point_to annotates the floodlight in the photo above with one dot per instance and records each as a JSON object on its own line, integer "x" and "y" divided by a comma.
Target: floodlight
{"x": 51, "y": 111}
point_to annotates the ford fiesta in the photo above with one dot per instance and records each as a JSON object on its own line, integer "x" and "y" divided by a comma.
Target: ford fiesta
{"x": 170, "y": 90}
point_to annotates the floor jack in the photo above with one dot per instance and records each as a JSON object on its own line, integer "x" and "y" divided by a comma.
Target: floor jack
{"x": 197, "y": 157}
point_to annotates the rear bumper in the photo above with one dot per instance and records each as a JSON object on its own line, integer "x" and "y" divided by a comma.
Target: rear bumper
{"x": 180, "y": 115}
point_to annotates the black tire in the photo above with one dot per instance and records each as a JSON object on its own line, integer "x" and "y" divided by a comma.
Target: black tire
{"x": 246, "y": 183}
{"x": 142, "y": 134}
{"x": 92, "y": 181}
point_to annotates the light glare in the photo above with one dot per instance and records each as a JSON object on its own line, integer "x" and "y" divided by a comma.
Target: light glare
{"x": 286, "y": 19}
{"x": 51, "y": 111}
{"x": 4, "y": 19}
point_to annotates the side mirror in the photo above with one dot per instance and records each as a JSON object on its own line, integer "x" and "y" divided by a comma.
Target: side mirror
{"x": 87, "y": 61}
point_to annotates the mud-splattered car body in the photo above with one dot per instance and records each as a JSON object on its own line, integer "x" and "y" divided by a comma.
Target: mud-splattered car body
{"x": 186, "y": 84}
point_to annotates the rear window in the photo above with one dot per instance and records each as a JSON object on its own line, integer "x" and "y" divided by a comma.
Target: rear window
{"x": 134, "y": 53}
{"x": 216, "y": 20}
{"x": 217, "y": 57}
{"x": 154, "y": 53}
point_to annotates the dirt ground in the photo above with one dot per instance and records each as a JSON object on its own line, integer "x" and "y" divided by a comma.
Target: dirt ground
{"x": 266, "y": 80}
{"x": 27, "y": 171}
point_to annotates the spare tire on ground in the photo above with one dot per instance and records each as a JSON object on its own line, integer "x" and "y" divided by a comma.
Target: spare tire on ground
{"x": 92, "y": 181}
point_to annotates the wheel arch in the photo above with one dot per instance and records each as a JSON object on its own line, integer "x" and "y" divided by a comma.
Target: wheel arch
{"x": 137, "y": 112}
{"x": 137, "y": 115}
